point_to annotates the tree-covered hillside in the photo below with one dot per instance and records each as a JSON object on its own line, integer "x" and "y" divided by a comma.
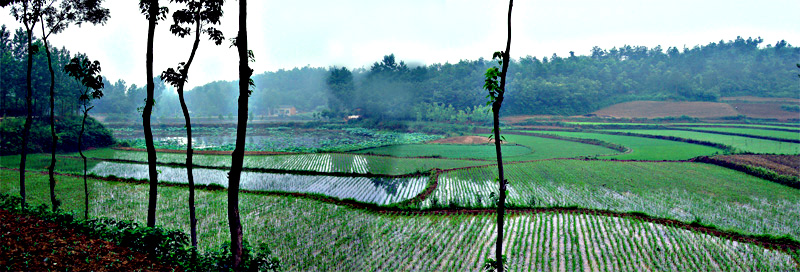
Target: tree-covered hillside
{"x": 389, "y": 88}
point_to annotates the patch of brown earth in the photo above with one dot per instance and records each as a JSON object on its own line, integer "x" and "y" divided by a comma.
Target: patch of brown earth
{"x": 656, "y": 109}
{"x": 765, "y": 110}
{"x": 522, "y": 118}
{"x": 788, "y": 165}
{"x": 463, "y": 140}
{"x": 759, "y": 99}
{"x": 31, "y": 244}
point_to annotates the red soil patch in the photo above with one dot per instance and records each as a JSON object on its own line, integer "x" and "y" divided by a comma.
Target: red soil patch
{"x": 205, "y": 152}
{"x": 759, "y": 99}
{"x": 463, "y": 140}
{"x": 31, "y": 244}
{"x": 765, "y": 110}
{"x": 522, "y": 118}
{"x": 782, "y": 164}
{"x": 655, "y": 109}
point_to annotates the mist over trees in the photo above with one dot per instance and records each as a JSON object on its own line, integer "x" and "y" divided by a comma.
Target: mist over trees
{"x": 387, "y": 89}
{"x": 550, "y": 85}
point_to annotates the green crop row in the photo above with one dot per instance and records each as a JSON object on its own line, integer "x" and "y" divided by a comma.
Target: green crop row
{"x": 644, "y": 148}
{"x": 308, "y": 235}
{"x": 313, "y": 162}
{"x": 524, "y": 148}
{"x": 744, "y": 144}
{"x": 779, "y": 134}
{"x": 684, "y": 191}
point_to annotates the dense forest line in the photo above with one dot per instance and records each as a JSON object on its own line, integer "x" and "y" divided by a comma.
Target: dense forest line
{"x": 391, "y": 89}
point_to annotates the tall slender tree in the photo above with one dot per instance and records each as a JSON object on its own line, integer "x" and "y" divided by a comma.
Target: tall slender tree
{"x": 198, "y": 13}
{"x": 154, "y": 13}
{"x": 55, "y": 18}
{"x": 245, "y": 56}
{"x": 27, "y": 12}
{"x": 87, "y": 73}
{"x": 496, "y": 96}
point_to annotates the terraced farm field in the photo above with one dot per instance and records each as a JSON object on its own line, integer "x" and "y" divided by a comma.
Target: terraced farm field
{"x": 678, "y": 190}
{"x": 644, "y": 148}
{"x": 756, "y": 132}
{"x": 313, "y": 162}
{"x": 309, "y": 235}
{"x": 378, "y": 190}
{"x": 745, "y": 144}
{"x": 526, "y": 148}
{"x": 483, "y": 151}
{"x": 793, "y": 126}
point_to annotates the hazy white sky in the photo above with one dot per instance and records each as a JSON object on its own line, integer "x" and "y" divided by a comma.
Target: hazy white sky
{"x": 356, "y": 33}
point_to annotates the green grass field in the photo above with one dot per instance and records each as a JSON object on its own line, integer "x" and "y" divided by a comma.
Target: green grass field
{"x": 755, "y": 131}
{"x": 678, "y": 190}
{"x": 644, "y": 148}
{"x": 308, "y": 235}
{"x": 471, "y": 151}
{"x": 744, "y": 144}
{"x": 525, "y": 148}
{"x": 767, "y": 125}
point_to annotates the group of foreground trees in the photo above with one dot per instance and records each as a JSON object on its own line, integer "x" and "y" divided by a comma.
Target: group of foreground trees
{"x": 53, "y": 17}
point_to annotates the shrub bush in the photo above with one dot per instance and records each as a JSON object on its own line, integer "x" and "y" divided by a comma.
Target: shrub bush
{"x": 168, "y": 246}
{"x": 67, "y": 130}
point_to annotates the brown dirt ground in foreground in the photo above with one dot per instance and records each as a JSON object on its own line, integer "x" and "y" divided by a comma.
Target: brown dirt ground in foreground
{"x": 463, "y": 140}
{"x": 782, "y": 164}
{"x": 31, "y": 244}
{"x": 655, "y": 109}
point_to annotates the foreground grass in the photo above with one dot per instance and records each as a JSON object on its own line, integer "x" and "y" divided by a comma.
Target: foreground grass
{"x": 644, "y": 148}
{"x": 679, "y": 190}
{"x": 309, "y": 235}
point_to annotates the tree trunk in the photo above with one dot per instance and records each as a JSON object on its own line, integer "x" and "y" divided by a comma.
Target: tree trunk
{"x": 241, "y": 131}
{"x": 26, "y": 129}
{"x": 189, "y": 149}
{"x": 52, "y": 167}
{"x": 501, "y": 202}
{"x": 148, "y": 108}
{"x": 80, "y": 150}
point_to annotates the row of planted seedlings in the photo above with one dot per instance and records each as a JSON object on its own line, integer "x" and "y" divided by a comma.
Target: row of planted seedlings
{"x": 311, "y": 235}
{"x": 549, "y": 241}
{"x": 370, "y": 189}
{"x": 689, "y": 192}
{"x": 307, "y": 162}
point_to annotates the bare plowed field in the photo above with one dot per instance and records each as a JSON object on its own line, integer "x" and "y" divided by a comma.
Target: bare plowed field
{"x": 765, "y": 110}
{"x": 782, "y": 164}
{"x": 464, "y": 140}
{"x": 655, "y": 109}
{"x": 759, "y": 99}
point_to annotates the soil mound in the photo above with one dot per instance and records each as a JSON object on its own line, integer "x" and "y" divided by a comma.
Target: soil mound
{"x": 463, "y": 140}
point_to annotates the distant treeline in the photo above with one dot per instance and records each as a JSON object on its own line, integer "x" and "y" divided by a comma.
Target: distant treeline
{"x": 393, "y": 90}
